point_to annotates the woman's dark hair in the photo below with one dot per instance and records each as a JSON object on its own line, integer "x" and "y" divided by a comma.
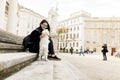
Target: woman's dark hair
{"x": 44, "y": 21}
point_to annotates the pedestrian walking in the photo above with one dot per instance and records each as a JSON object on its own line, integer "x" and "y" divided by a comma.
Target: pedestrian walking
{"x": 81, "y": 51}
{"x": 71, "y": 50}
{"x": 104, "y": 51}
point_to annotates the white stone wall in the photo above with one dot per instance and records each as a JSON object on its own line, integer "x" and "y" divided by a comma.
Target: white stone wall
{"x": 75, "y": 24}
{"x": 28, "y": 21}
{"x": 102, "y": 31}
{"x": 2, "y": 14}
{"x": 12, "y": 16}
{"x": 19, "y": 20}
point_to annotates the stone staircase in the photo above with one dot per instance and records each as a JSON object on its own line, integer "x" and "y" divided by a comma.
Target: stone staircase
{"x": 42, "y": 70}
{"x": 13, "y": 64}
{"x": 10, "y": 42}
{"x": 20, "y": 66}
{"x": 12, "y": 57}
{"x": 50, "y": 70}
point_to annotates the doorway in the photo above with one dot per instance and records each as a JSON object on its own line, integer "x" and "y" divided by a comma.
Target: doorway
{"x": 113, "y": 51}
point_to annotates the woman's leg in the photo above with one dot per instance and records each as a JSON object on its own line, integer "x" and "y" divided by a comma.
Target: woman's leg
{"x": 51, "y": 48}
{"x": 51, "y": 53}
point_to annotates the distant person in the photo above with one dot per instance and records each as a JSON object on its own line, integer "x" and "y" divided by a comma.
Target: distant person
{"x": 81, "y": 51}
{"x": 71, "y": 50}
{"x": 104, "y": 51}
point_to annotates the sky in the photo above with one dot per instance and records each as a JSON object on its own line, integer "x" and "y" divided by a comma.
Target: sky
{"x": 97, "y": 8}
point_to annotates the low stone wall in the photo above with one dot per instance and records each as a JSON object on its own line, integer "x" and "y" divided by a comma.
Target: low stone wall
{"x": 10, "y": 42}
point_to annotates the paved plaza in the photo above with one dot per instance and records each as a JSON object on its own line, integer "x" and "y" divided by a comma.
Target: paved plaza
{"x": 72, "y": 67}
{"x": 94, "y": 67}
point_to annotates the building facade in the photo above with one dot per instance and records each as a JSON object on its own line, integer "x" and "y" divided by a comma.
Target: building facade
{"x": 90, "y": 32}
{"x": 17, "y": 19}
{"x": 75, "y": 35}
{"x": 8, "y": 15}
{"x": 99, "y": 31}
{"x": 28, "y": 20}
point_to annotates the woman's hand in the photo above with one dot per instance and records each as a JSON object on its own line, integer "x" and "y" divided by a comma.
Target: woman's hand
{"x": 41, "y": 36}
{"x": 49, "y": 36}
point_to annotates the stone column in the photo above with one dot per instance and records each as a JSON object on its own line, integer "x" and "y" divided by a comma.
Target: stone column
{"x": 12, "y": 16}
{"x": 2, "y": 13}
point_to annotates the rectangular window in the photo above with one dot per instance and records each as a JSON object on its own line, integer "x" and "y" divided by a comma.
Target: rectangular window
{"x": 73, "y": 44}
{"x": 77, "y": 35}
{"x": 77, "y": 44}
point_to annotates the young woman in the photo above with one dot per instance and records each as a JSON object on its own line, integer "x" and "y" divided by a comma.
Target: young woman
{"x": 43, "y": 44}
{"x": 35, "y": 38}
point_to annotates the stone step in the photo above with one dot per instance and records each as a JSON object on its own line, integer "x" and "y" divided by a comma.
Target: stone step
{"x": 50, "y": 70}
{"x": 10, "y": 38}
{"x": 39, "y": 70}
{"x": 12, "y": 62}
{"x": 66, "y": 71}
{"x": 63, "y": 72}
